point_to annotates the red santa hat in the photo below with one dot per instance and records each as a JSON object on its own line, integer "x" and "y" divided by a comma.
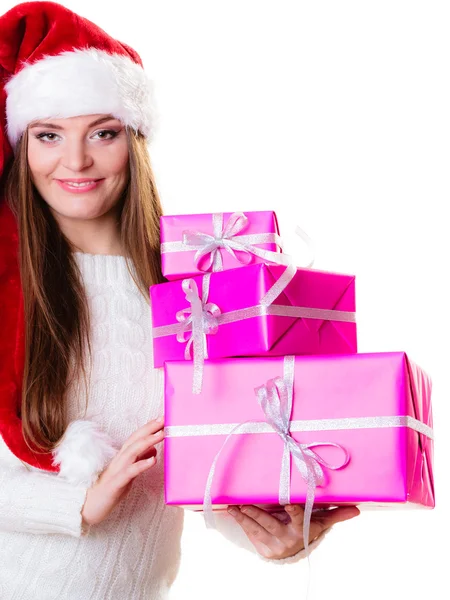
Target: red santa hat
{"x": 62, "y": 65}
{"x": 54, "y": 63}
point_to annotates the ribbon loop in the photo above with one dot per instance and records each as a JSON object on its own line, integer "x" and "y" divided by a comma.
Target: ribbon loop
{"x": 237, "y": 222}
{"x": 275, "y": 399}
{"x": 209, "y": 257}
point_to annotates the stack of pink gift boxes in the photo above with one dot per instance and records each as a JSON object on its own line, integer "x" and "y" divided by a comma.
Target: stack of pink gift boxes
{"x": 267, "y": 401}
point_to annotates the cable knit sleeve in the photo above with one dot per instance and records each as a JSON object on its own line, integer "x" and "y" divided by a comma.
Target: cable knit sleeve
{"x": 33, "y": 501}
{"x": 232, "y": 531}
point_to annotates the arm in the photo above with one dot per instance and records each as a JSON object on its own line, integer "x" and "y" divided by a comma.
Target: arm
{"x": 34, "y": 501}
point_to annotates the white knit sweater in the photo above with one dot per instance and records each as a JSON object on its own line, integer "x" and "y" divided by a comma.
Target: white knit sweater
{"x": 134, "y": 554}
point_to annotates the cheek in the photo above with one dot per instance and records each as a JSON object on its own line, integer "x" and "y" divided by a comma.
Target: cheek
{"x": 116, "y": 162}
{"x": 41, "y": 163}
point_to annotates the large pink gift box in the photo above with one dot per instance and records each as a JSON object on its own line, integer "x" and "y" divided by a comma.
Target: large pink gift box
{"x": 324, "y": 305}
{"x": 245, "y": 235}
{"x": 367, "y": 409}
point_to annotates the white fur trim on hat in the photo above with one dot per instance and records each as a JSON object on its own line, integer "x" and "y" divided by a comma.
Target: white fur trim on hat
{"x": 81, "y": 82}
{"x": 83, "y": 452}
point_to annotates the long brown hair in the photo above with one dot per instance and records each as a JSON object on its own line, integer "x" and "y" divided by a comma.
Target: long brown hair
{"x": 55, "y": 305}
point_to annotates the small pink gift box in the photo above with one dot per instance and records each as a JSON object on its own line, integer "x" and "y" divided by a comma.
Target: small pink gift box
{"x": 314, "y": 314}
{"x": 192, "y": 244}
{"x": 367, "y": 417}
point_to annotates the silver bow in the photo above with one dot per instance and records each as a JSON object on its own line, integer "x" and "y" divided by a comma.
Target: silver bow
{"x": 227, "y": 237}
{"x": 275, "y": 399}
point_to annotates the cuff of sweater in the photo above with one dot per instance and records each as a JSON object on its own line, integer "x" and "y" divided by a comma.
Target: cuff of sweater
{"x": 302, "y": 554}
{"x": 56, "y": 509}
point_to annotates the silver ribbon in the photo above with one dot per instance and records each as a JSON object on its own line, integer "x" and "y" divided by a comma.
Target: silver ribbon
{"x": 204, "y": 318}
{"x": 383, "y": 422}
{"x": 198, "y": 321}
{"x": 275, "y": 399}
{"x": 209, "y": 247}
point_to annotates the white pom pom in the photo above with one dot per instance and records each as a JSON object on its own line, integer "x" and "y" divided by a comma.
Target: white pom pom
{"x": 83, "y": 452}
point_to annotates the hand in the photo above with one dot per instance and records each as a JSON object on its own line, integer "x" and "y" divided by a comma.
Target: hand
{"x": 274, "y": 539}
{"x": 137, "y": 455}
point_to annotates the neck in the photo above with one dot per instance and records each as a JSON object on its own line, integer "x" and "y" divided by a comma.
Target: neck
{"x": 93, "y": 236}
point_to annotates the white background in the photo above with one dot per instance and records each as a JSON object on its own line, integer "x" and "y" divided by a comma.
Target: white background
{"x": 336, "y": 115}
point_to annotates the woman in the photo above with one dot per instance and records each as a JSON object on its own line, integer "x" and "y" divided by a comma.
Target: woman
{"x": 82, "y": 511}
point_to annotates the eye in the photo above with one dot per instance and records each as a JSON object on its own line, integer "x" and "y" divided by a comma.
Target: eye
{"x": 106, "y": 134}
{"x": 47, "y": 137}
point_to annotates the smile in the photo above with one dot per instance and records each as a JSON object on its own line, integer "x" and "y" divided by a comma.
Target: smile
{"x": 84, "y": 184}
{"x": 77, "y": 186}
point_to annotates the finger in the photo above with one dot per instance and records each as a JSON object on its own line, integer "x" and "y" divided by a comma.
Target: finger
{"x": 132, "y": 471}
{"x": 254, "y": 530}
{"x": 144, "y": 445}
{"x": 147, "y": 454}
{"x": 322, "y": 519}
{"x": 336, "y": 515}
{"x": 270, "y": 523}
{"x": 132, "y": 453}
{"x": 149, "y": 428}
{"x": 297, "y": 513}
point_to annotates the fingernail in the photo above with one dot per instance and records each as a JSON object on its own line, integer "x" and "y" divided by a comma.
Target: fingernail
{"x": 233, "y": 511}
{"x": 290, "y": 508}
{"x": 248, "y": 511}
{"x": 151, "y": 460}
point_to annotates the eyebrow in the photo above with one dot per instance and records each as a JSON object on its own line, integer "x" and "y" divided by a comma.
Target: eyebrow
{"x": 54, "y": 126}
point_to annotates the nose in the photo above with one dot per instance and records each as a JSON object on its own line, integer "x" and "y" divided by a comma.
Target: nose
{"x": 76, "y": 156}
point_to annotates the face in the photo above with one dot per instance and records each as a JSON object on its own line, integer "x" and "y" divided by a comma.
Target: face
{"x": 79, "y": 165}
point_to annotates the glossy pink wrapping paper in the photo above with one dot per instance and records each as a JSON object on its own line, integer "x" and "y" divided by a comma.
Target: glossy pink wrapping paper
{"x": 178, "y": 265}
{"x": 269, "y": 335}
{"x": 387, "y": 465}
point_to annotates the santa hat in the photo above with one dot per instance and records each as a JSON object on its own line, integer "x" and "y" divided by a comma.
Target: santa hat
{"x": 54, "y": 63}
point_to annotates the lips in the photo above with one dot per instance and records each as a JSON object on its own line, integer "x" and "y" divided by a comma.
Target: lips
{"x": 79, "y": 185}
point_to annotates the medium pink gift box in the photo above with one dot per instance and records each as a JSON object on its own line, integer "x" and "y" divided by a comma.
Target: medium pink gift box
{"x": 314, "y": 314}
{"x": 372, "y": 409}
{"x": 252, "y": 237}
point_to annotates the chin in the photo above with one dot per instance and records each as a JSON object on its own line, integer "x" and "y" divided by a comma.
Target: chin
{"x": 80, "y": 212}
{"x": 82, "y": 216}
